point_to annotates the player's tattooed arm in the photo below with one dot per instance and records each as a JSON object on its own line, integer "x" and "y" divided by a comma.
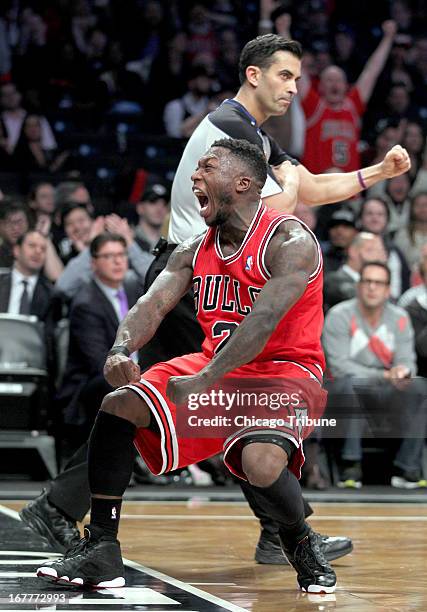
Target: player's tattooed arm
{"x": 291, "y": 257}
{"x": 142, "y": 321}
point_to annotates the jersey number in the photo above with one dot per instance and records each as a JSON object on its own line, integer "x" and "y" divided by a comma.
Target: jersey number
{"x": 223, "y": 329}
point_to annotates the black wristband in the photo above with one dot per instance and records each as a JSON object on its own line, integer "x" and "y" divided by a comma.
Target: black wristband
{"x": 118, "y": 350}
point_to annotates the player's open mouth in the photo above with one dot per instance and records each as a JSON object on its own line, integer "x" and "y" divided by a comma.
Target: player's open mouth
{"x": 203, "y": 201}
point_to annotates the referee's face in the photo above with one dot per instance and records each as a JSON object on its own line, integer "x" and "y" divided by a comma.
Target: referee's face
{"x": 276, "y": 86}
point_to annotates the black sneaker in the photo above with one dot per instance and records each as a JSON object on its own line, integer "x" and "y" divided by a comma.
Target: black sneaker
{"x": 350, "y": 476}
{"x": 95, "y": 563}
{"x": 45, "y": 519}
{"x": 314, "y": 574}
{"x": 269, "y": 550}
{"x": 403, "y": 479}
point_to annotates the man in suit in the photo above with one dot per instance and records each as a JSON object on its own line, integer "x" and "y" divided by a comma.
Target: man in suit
{"x": 341, "y": 284}
{"x": 24, "y": 289}
{"x": 94, "y": 318}
{"x": 95, "y": 314}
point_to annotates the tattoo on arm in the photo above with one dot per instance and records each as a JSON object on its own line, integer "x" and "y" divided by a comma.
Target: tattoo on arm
{"x": 142, "y": 321}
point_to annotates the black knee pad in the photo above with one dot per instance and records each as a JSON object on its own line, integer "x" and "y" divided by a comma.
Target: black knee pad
{"x": 272, "y": 438}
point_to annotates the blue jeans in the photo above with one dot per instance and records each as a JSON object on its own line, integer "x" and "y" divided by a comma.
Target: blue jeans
{"x": 377, "y": 409}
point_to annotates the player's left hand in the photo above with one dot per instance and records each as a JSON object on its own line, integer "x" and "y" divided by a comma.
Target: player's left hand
{"x": 395, "y": 162}
{"x": 180, "y": 387}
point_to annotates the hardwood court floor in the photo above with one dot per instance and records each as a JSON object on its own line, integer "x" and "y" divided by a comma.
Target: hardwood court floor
{"x": 211, "y": 545}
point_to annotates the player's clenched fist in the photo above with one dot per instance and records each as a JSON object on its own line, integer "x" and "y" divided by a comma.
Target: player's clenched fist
{"x": 395, "y": 162}
{"x": 120, "y": 370}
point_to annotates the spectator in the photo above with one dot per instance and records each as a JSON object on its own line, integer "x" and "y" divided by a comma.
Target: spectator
{"x": 12, "y": 116}
{"x": 68, "y": 193}
{"x": 414, "y": 142}
{"x": 227, "y": 61}
{"x": 78, "y": 225}
{"x": 168, "y": 72}
{"x": 369, "y": 346}
{"x": 152, "y": 211}
{"x": 417, "y": 310}
{"x": 30, "y": 155}
{"x": 345, "y": 52}
{"x": 333, "y": 115}
{"x": 78, "y": 269}
{"x": 410, "y": 239}
{"x": 146, "y": 39}
{"x": 14, "y": 223}
{"x": 374, "y": 217}
{"x": 387, "y": 134}
{"x": 341, "y": 232}
{"x": 183, "y": 115}
{"x": 396, "y": 193}
{"x": 95, "y": 314}
{"x": 41, "y": 200}
{"x": 73, "y": 191}
{"x": 119, "y": 89}
{"x": 201, "y": 34}
{"x": 398, "y": 105}
{"x": 24, "y": 290}
{"x": 419, "y": 290}
{"x": 341, "y": 284}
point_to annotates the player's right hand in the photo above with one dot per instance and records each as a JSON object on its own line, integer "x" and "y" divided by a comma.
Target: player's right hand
{"x": 120, "y": 370}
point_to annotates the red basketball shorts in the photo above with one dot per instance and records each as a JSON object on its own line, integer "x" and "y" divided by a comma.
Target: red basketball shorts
{"x": 164, "y": 450}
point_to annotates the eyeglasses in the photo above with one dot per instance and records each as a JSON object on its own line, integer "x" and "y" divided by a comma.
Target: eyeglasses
{"x": 111, "y": 256}
{"x": 372, "y": 281}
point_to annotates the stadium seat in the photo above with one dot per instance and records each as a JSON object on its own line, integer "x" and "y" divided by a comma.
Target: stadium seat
{"x": 24, "y": 388}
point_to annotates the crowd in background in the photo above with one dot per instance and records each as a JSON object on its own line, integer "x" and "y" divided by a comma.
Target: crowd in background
{"x": 80, "y": 79}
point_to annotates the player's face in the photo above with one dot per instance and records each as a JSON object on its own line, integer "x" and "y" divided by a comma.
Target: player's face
{"x": 212, "y": 182}
{"x": 373, "y": 288}
{"x": 277, "y": 85}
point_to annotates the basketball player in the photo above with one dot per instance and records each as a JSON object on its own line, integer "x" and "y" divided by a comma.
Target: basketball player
{"x": 269, "y": 68}
{"x": 272, "y": 319}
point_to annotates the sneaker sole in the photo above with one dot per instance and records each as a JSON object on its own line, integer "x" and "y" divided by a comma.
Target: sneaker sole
{"x": 49, "y": 575}
{"x": 316, "y": 588}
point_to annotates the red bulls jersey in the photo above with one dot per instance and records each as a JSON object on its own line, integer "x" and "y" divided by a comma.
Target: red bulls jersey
{"x": 226, "y": 287}
{"x": 332, "y": 136}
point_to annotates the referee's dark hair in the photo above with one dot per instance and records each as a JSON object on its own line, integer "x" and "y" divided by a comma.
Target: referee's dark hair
{"x": 250, "y": 154}
{"x": 259, "y": 52}
{"x": 102, "y": 239}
